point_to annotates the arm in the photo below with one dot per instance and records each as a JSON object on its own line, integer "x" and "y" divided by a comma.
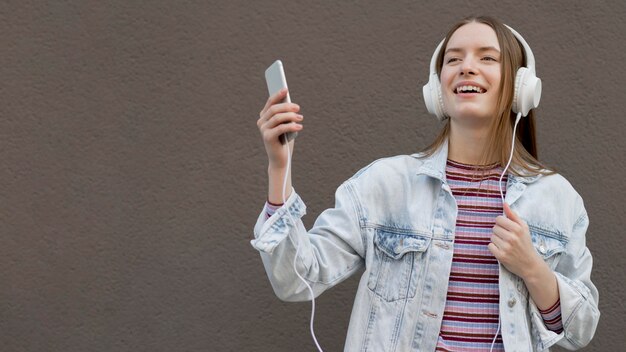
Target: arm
{"x": 578, "y": 295}
{"x": 512, "y": 246}
{"x": 541, "y": 283}
{"x": 569, "y": 284}
{"x": 332, "y": 250}
{"x": 543, "y": 288}
{"x": 276, "y": 178}
{"x": 328, "y": 254}
{"x": 274, "y": 121}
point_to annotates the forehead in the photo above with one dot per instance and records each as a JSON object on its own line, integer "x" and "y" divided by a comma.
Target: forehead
{"x": 473, "y": 35}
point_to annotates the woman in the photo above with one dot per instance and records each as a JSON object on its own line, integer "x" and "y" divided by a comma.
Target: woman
{"x": 448, "y": 264}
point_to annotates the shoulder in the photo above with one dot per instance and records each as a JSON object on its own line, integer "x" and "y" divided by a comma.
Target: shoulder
{"x": 550, "y": 201}
{"x": 385, "y": 178}
{"x": 398, "y": 166}
{"x": 556, "y": 187}
{"x": 390, "y": 192}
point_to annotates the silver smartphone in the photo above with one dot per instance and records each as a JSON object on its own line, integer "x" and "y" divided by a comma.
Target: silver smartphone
{"x": 275, "y": 78}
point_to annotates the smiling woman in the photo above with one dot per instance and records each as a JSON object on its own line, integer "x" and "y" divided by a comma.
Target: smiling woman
{"x": 498, "y": 59}
{"x": 460, "y": 251}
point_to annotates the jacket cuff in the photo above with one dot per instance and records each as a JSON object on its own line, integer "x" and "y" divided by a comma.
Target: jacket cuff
{"x": 578, "y": 314}
{"x": 544, "y": 337}
{"x": 268, "y": 233}
{"x": 573, "y": 296}
{"x": 552, "y": 317}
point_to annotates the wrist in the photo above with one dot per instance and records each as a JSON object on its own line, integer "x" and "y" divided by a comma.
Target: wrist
{"x": 277, "y": 200}
{"x": 273, "y": 169}
{"x": 537, "y": 270}
{"x": 274, "y": 204}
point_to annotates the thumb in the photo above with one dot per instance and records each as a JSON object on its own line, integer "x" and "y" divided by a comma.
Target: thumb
{"x": 511, "y": 214}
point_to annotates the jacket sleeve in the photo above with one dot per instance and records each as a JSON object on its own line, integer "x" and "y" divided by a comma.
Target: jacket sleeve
{"x": 578, "y": 295}
{"x": 326, "y": 255}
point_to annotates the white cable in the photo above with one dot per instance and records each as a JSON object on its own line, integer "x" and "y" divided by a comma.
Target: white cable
{"x": 519, "y": 116}
{"x": 296, "y": 242}
{"x": 494, "y": 338}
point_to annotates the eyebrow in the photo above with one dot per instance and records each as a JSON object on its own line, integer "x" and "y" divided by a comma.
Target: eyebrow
{"x": 481, "y": 49}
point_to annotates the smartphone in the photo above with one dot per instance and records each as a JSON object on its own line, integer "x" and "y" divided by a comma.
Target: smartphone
{"x": 275, "y": 78}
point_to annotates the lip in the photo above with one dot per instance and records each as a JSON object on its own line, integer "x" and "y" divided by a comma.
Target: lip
{"x": 468, "y": 83}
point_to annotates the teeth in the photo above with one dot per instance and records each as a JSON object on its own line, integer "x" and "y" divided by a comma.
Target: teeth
{"x": 469, "y": 89}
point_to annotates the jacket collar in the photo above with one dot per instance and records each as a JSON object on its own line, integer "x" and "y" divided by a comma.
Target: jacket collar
{"x": 435, "y": 166}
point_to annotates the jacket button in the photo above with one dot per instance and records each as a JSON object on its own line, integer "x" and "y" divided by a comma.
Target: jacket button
{"x": 512, "y": 302}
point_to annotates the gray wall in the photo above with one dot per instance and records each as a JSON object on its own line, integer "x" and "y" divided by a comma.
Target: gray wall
{"x": 133, "y": 171}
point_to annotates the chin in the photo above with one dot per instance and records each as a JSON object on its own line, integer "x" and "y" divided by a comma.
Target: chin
{"x": 471, "y": 115}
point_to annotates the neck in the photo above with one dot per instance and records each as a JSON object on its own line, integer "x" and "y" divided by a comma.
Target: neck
{"x": 468, "y": 144}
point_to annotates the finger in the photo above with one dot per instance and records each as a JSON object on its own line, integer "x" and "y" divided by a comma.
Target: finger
{"x": 282, "y": 118}
{"x": 498, "y": 241}
{"x": 506, "y": 223}
{"x": 283, "y": 107}
{"x": 274, "y": 99}
{"x": 519, "y": 226}
{"x": 503, "y": 234}
{"x": 494, "y": 250}
{"x": 279, "y": 108}
{"x": 510, "y": 213}
{"x": 274, "y": 133}
{"x": 276, "y": 119}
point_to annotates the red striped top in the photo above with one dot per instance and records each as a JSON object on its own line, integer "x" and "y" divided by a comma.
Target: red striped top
{"x": 470, "y": 319}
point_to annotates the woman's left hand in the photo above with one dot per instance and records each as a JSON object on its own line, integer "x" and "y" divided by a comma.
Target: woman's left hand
{"x": 511, "y": 244}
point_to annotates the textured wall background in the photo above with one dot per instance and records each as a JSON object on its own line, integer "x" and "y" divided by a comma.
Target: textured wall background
{"x": 132, "y": 170}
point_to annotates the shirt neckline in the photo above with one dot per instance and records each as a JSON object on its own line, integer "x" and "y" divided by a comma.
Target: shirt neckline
{"x": 457, "y": 164}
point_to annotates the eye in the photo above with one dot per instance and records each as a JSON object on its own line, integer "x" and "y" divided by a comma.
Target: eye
{"x": 451, "y": 60}
{"x": 490, "y": 58}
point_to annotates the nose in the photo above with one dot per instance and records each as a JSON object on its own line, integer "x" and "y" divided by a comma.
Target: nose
{"x": 468, "y": 67}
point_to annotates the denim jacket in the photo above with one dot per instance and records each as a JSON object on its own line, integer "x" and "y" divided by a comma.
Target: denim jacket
{"x": 396, "y": 219}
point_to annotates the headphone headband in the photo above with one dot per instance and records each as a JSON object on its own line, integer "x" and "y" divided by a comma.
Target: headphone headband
{"x": 530, "y": 58}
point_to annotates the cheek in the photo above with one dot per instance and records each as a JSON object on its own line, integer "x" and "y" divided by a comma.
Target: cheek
{"x": 494, "y": 80}
{"x": 446, "y": 78}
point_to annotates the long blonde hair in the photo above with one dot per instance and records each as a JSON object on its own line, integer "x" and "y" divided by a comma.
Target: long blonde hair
{"x": 525, "y": 160}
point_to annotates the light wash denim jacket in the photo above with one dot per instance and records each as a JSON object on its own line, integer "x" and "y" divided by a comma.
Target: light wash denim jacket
{"x": 396, "y": 218}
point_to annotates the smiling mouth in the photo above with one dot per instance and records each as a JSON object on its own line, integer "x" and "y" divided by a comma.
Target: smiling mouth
{"x": 469, "y": 90}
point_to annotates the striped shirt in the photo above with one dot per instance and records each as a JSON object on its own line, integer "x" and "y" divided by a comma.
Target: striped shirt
{"x": 470, "y": 318}
{"x": 471, "y": 314}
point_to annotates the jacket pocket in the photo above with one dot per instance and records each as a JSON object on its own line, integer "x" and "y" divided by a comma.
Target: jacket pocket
{"x": 549, "y": 244}
{"x": 398, "y": 263}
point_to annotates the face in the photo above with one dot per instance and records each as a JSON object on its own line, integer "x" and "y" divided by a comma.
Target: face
{"x": 470, "y": 75}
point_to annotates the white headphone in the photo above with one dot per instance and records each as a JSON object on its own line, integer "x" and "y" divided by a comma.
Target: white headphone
{"x": 527, "y": 85}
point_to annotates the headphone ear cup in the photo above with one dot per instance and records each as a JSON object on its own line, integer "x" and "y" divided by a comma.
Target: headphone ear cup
{"x": 527, "y": 91}
{"x": 433, "y": 98}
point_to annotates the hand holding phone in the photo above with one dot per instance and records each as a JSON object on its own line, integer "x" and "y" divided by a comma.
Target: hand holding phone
{"x": 278, "y": 122}
{"x": 279, "y": 119}
{"x": 276, "y": 80}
